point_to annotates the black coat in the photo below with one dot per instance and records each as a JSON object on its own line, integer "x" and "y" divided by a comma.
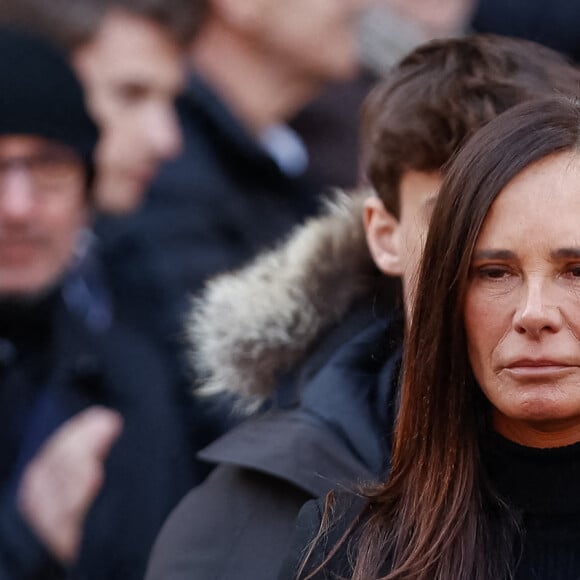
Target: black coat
{"x": 210, "y": 210}
{"x": 348, "y": 508}
{"x": 329, "y": 426}
{"x": 148, "y": 470}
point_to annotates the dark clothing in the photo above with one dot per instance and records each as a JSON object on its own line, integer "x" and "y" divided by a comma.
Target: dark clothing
{"x": 542, "y": 487}
{"x": 539, "y": 485}
{"x": 329, "y": 425}
{"x": 87, "y": 293}
{"x": 53, "y": 368}
{"x": 553, "y": 23}
{"x": 329, "y": 127}
{"x": 223, "y": 200}
{"x": 25, "y": 331}
{"x": 349, "y": 508}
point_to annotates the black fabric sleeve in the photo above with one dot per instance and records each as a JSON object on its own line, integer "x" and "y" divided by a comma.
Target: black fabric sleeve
{"x": 306, "y": 528}
{"x": 22, "y": 555}
{"x": 235, "y": 526}
{"x": 334, "y": 547}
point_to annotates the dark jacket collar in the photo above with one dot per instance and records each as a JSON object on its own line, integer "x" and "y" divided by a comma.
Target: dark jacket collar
{"x": 291, "y": 446}
{"x": 355, "y": 393}
{"x": 204, "y": 104}
{"x": 72, "y": 350}
{"x": 335, "y": 421}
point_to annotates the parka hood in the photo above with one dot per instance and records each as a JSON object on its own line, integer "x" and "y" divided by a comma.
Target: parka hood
{"x": 253, "y": 324}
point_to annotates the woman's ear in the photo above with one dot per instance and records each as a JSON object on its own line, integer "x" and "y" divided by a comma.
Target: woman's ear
{"x": 383, "y": 236}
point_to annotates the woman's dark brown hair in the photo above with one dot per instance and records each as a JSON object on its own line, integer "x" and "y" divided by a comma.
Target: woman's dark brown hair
{"x": 437, "y": 517}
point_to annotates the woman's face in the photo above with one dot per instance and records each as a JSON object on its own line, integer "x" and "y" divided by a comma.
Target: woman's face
{"x": 522, "y": 310}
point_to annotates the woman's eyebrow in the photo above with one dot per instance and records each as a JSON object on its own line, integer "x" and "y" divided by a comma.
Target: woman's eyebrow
{"x": 495, "y": 255}
{"x": 563, "y": 253}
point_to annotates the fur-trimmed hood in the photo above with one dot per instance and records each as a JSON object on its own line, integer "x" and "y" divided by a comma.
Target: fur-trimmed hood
{"x": 252, "y": 324}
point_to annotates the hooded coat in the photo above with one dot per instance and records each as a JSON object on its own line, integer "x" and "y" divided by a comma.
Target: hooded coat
{"x": 302, "y": 333}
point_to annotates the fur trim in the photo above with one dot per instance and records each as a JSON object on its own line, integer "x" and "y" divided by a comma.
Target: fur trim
{"x": 252, "y": 324}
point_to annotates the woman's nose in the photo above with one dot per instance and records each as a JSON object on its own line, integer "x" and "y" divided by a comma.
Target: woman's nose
{"x": 537, "y": 311}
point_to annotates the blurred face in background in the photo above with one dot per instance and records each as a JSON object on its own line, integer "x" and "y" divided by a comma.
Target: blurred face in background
{"x": 42, "y": 210}
{"x": 132, "y": 72}
{"x": 318, "y": 38}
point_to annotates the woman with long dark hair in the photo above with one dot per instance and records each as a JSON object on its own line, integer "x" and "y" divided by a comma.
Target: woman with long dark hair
{"x": 486, "y": 460}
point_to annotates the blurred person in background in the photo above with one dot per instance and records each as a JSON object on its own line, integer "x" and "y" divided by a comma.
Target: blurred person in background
{"x": 389, "y": 30}
{"x": 238, "y": 185}
{"x": 94, "y": 449}
{"x": 129, "y": 57}
{"x": 306, "y": 330}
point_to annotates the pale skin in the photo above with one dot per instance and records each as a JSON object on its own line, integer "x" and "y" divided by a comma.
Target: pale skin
{"x": 522, "y": 310}
{"x": 132, "y": 72}
{"x": 61, "y": 482}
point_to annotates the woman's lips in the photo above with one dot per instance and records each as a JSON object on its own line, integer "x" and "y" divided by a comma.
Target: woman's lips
{"x": 537, "y": 368}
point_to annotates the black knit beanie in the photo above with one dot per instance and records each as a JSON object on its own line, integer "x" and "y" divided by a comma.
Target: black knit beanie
{"x": 41, "y": 96}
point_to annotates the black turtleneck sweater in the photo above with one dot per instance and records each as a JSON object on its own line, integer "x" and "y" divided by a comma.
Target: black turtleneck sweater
{"x": 543, "y": 486}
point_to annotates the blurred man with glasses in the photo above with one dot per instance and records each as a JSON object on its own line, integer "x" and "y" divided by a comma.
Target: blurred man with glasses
{"x": 93, "y": 453}
{"x": 42, "y": 207}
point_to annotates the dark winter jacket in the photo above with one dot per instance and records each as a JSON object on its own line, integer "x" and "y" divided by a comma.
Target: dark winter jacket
{"x": 149, "y": 468}
{"x": 350, "y": 511}
{"x": 305, "y": 332}
{"x": 212, "y": 209}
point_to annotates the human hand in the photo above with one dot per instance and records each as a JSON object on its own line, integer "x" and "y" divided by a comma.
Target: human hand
{"x": 61, "y": 482}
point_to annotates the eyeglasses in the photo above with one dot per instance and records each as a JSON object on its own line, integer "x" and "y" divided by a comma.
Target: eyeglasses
{"x": 50, "y": 171}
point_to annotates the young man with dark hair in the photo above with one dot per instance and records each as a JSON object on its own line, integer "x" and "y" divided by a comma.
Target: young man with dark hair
{"x": 410, "y": 131}
{"x": 305, "y": 328}
{"x": 239, "y": 183}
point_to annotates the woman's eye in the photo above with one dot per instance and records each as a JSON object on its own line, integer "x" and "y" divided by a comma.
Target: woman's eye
{"x": 494, "y": 273}
{"x": 574, "y": 271}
